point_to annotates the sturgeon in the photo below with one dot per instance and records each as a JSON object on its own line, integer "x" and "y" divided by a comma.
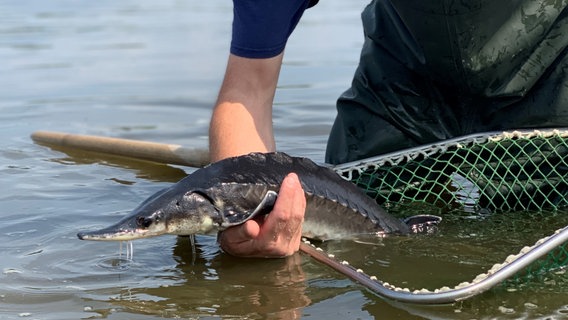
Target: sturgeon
{"x": 234, "y": 190}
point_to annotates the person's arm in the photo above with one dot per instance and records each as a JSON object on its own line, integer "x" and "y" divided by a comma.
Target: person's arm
{"x": 242, "y": 119}
{"x": 242, "y": 123}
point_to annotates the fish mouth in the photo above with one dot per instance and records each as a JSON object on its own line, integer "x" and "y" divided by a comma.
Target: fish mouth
{"x": 112, "y": 234}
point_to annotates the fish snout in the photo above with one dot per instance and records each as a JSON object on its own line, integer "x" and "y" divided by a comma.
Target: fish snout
{"x": 82, "y": 235}
{"x": 130, "y": 228}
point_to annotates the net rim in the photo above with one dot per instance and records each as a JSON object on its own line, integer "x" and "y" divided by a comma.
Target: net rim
{"x": 394, "y": 158}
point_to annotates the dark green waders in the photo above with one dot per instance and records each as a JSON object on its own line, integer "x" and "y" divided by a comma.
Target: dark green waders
{"x": 431, "y": 70}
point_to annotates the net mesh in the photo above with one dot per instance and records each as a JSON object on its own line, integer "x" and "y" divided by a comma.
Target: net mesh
{"x": 482, "y": 173}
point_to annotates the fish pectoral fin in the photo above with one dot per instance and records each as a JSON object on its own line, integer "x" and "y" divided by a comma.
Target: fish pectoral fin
{"x": 234, "y": 216}
{"x": 423, "y": 223}
{"x": 265, "y": 205}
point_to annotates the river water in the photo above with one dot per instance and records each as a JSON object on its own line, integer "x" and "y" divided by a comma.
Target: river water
{"x": 150, "y": 70}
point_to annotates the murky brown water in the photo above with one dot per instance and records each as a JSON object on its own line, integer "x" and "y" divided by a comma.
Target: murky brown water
{"x": 150, "y": 70}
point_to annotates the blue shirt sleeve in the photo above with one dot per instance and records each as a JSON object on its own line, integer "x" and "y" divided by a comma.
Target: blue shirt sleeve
{"x": 262, "y": 27}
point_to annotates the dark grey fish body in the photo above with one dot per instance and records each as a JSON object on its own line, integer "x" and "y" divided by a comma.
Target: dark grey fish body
{"x": 231, "y": 191}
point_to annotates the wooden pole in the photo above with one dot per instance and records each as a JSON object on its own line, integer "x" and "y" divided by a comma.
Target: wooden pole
{"x": 151, "y": 151}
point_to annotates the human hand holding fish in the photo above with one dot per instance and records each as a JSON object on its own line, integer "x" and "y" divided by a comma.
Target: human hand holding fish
{"x": 277, "y": 234}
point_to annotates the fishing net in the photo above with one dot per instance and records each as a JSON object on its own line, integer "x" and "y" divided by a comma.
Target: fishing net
{"x": 476, "y": 174}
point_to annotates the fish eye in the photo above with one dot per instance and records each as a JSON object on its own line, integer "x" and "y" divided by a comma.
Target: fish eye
{"x": 144, "y": 222}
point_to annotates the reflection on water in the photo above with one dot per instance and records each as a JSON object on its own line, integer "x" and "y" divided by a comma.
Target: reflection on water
{"x": 115, "y": 263}
{"x": 150, "y": 70}
{"x": 218, "y": 284}
{"x": 144, "y": 169}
